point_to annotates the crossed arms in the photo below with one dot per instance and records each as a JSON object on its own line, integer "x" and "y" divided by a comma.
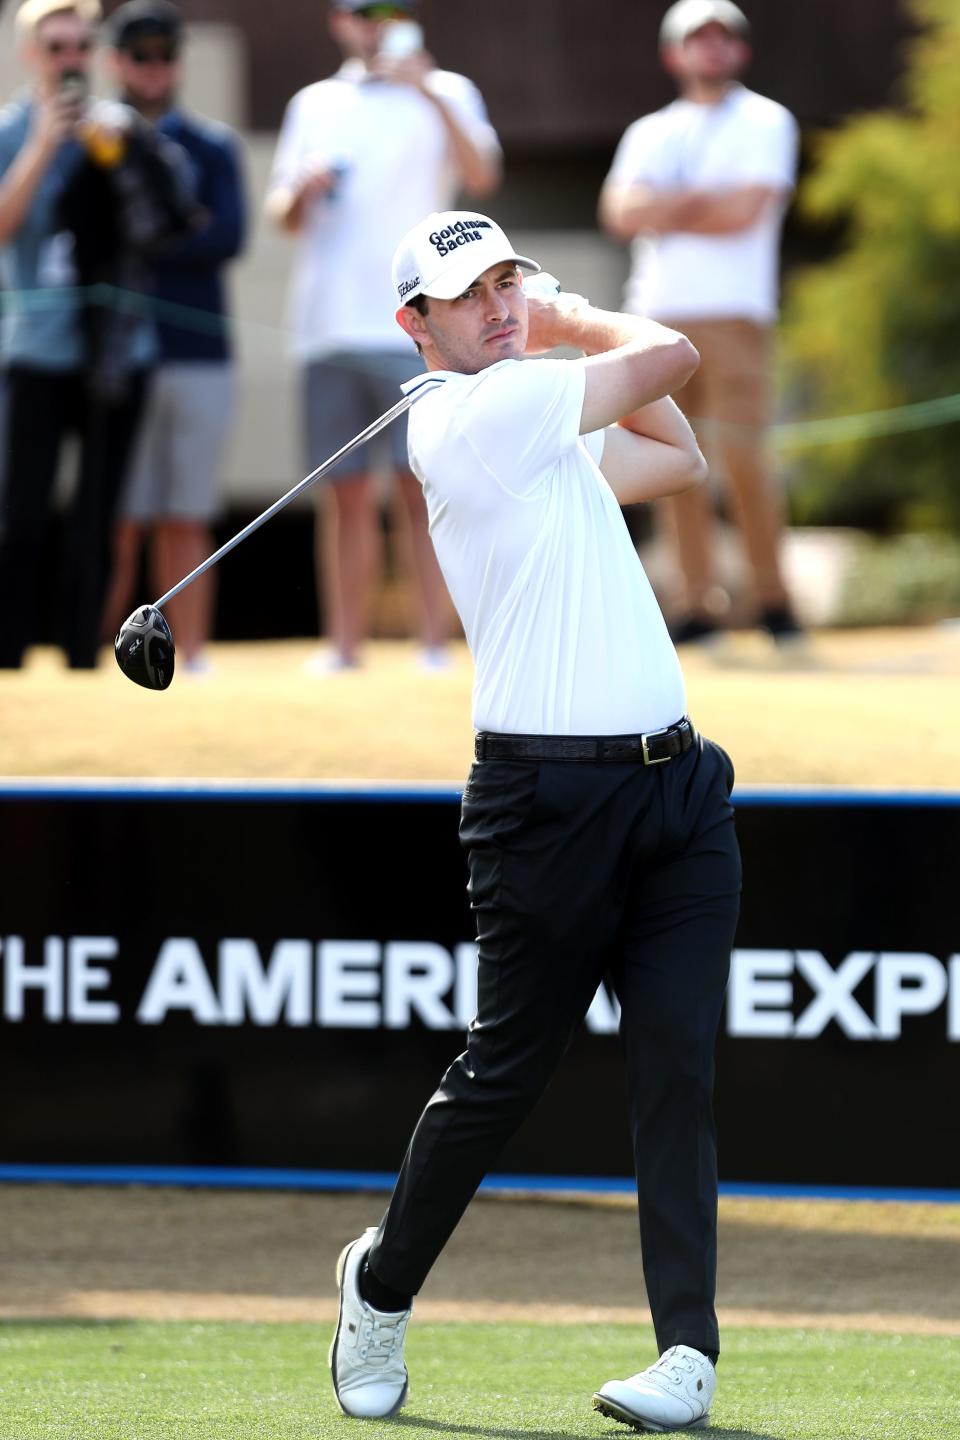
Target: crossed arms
{"x": 628, "y": 210}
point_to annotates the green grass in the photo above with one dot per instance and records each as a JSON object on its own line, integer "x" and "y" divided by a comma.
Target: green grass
{"x": 114, "y": 1381}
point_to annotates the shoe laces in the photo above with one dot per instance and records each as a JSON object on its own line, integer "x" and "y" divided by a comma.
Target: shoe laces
{"x": 380, "y": 1337}
{"x": 675, "y": 1366}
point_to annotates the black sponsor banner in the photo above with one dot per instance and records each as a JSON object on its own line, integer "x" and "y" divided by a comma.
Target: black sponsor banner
{"x": 270, "y": 979}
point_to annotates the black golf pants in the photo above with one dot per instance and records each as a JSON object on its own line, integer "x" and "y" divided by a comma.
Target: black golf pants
{"x": 578, "y": 870}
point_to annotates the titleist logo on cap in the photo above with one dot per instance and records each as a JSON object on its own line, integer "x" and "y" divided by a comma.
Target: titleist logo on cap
{"x": 461, "y": 233}
{"x": 406, "y": 286}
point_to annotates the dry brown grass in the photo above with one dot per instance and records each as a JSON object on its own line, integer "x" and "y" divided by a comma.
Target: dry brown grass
{"x": 168, "y": 1254}
{"x": 874, "y": 708}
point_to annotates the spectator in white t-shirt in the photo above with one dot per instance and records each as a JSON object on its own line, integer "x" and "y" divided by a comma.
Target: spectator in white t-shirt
{"x": 700, "y": 187}
{"x": 361, "y": 157}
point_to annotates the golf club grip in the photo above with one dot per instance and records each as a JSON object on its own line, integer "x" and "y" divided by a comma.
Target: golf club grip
{"x": 373, "y": 429}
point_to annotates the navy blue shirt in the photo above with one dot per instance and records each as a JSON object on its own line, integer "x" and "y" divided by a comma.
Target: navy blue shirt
{"x": 190, "y": 291}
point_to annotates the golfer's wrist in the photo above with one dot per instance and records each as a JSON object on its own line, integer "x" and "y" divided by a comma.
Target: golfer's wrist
{"x": 597, "y": 331}
{"x": 560, "y": 321}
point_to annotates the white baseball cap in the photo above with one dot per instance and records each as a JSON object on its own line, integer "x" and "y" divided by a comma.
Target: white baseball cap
{"x": 445, "y": 253}
{"x": 687, "y": 16}
{"x": 32, "y": 12}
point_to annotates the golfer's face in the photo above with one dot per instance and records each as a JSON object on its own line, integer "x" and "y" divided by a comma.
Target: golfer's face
{"x": 487, "y": 323}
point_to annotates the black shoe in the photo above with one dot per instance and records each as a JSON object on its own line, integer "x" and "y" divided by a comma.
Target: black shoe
{"x": 780, "y": 624}
{"x": 692, "y": 629}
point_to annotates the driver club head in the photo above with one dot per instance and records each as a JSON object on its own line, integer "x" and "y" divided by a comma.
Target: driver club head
{"x": 144, "y": 648}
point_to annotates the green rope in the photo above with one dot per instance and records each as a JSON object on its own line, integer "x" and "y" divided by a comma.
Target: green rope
{"x": 789, "y": 434}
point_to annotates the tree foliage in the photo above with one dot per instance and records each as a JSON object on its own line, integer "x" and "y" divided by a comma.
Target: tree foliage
{"x": 879, "y": 325}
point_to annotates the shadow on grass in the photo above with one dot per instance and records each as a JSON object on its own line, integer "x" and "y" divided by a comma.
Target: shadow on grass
{"x": 721, "y": 1433}
{"x": 446, "y": 1427}
{"x": 66, "y": 1322}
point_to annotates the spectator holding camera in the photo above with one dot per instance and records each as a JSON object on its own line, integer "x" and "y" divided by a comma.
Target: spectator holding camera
{"x": 83, "y": 196}
{"x": 362, "y": 156}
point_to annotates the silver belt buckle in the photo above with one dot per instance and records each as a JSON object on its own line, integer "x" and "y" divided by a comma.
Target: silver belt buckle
{"x": 651, "y": 735}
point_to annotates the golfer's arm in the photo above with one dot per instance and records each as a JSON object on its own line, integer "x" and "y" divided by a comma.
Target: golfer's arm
{"x": 631, "y": 367}
{"x": 651, "y": 453}
{"x": 631, "y": 362}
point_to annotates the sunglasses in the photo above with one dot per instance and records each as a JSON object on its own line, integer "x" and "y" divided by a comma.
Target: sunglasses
{"x": 67, "y": 47}
{"x": 382, "y": 12}
{"x": 153, "y": 57}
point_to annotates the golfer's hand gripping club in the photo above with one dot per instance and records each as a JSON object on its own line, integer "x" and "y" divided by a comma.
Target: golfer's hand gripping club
{"x": 144, "y": 646}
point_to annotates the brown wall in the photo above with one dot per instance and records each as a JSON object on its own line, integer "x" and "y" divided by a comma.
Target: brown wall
{"x": 561, "y": 74}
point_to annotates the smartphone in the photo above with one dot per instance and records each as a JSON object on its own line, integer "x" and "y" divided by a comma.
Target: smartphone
{"x": 75, "y": 85}
{"x": 401, "y": 38}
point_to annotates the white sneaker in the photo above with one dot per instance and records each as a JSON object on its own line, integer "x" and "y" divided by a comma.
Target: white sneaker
{"x": 330, "y": 662}
{"x": 433, "y": 659}
{"x": 366, "y": 1357}
{"x": 674, "y": 1394}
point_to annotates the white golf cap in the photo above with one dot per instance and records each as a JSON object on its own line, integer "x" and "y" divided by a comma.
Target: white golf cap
{"x": 688, "y": 16}
{"x": 444, "y": 254}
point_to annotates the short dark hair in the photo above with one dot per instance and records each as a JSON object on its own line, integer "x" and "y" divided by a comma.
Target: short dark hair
{"x": 421, "y": 305}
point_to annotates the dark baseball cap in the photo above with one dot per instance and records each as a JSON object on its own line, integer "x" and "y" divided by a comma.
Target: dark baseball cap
{"x": 409, "y": 5}
{"x": 144, "y": 20}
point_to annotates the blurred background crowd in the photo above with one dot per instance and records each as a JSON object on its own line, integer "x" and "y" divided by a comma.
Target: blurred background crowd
{"x": 198, "y": 207}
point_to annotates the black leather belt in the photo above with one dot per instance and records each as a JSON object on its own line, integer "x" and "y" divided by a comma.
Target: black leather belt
{"x": 651, "y": 748}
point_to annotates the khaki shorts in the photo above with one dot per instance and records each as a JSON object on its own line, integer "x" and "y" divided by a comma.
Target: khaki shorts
{"x": 732, "y": 388}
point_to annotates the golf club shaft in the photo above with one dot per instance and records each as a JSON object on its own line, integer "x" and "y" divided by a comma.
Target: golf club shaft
{"x": 374, "y": 429}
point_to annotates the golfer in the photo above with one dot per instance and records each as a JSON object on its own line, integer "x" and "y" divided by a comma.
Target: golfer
{"x": 597, "y": 822}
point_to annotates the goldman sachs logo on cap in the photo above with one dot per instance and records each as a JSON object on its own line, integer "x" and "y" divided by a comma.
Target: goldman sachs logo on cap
{"x": 460, "y": 233}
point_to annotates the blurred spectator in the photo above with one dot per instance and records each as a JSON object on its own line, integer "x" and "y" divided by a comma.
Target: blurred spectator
{"x": 361, "y": 158}
{"x": 701, "y": 187}
{"x": 84, "y": 195}
{"x": 172, "y": 487}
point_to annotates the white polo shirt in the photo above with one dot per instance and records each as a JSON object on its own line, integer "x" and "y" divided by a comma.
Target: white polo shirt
{"x": 565, "y": 631}
{"x": 744, "y": 139}
{"x": 397, "y": 165}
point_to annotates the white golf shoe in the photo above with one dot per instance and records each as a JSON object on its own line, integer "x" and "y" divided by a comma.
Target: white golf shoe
{"x": 366, "y": 1357}
{"x": 674, "y": 1394}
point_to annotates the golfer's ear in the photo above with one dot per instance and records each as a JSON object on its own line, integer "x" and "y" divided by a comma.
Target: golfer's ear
{"x": 413, "y": 323}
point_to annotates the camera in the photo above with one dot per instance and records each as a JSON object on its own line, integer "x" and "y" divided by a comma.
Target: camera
{"x": 74, "y": 85}
{"x": 400, "y": 39}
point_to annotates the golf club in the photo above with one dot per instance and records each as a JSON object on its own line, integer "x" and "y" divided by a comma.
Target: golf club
{"x": 144, "y": 646}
